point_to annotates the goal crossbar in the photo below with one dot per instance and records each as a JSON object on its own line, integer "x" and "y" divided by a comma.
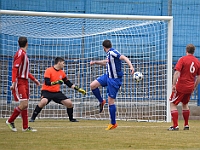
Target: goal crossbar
{"x": 96, "y": 16}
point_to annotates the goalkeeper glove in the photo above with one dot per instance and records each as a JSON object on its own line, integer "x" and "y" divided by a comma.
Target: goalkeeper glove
{"x": 80, "y": 90}
{"x": 57, "y": 82}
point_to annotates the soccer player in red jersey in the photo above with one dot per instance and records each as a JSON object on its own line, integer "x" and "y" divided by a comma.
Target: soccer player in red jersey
{"x": 186, "y": 78}
{"x": 20, "y": 85}
{"x": 53, "y": 77}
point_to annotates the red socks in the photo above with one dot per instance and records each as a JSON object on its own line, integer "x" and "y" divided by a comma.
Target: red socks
{"x": 174, "y": 115}
{"x": 24, "y": 114}
{"x": 186, "y": 114}
{"x": 14, "y": 115}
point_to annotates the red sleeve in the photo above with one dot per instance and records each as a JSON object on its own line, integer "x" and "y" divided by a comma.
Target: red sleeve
{"x": 179, "y": 64}
{"x": 16, "y": 63}
{"x": 14, "y": 74}
{"x": 31, "y": 76}
{"x": 18, "y": 59}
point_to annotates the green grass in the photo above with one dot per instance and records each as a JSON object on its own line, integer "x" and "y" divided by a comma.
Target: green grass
{"x": 91, "y": 135}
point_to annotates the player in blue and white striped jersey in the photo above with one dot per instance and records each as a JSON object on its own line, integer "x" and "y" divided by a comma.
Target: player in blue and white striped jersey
{"x": 112, "y": 79}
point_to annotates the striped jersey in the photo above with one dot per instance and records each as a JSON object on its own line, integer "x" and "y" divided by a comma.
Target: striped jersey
{"x": 22, "y": 63}
{"x": 114, "y": 64}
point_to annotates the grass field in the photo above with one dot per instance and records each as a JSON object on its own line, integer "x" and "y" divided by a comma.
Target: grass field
{"x": 91, "y": 135}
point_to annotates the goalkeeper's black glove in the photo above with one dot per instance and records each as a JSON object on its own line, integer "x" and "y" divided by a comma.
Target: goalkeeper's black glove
{"x": 80, "y": 90}
{"x": 57, "y": 82}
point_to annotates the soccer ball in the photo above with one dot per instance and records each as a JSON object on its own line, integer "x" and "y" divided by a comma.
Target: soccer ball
{"x": 138, "y": 76}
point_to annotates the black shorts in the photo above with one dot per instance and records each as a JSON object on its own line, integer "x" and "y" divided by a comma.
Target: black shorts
{"x": 57, "y": 97}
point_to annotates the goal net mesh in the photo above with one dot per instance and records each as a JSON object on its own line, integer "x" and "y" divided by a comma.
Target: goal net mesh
{"x": 79, "y": 41}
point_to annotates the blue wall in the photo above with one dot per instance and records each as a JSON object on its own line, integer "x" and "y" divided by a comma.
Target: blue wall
{"x": 186, "y": 26}
{"x": 186, "y": 14}
{"x": 139, "y": 7}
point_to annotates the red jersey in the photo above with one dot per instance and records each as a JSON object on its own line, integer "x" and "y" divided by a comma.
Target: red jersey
{"x": 189, "y": 68}
{"x": 53, "y": 75}
{"x": 21, "y": 62}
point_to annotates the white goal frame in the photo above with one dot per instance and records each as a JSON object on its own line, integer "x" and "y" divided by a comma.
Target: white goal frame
{"x": 169, "y": 19}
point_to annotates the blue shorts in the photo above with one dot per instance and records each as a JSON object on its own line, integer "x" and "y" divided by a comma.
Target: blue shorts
{"x": 113, "y": 84}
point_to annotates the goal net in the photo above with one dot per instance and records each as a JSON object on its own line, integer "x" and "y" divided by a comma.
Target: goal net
{"x": 145, "y": 40}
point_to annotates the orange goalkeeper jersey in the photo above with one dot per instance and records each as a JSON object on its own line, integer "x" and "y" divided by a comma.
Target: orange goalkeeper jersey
{"x": 53, "y": 75}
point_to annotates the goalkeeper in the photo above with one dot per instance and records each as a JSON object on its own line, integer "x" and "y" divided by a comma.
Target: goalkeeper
{"x": 53, "y": 78}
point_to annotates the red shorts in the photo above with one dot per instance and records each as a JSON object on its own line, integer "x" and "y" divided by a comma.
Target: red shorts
{"x": 21, "y": 91}
{"x": 177, "y": 97}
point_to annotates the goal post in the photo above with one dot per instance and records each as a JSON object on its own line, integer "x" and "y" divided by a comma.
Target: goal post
{"x": 145, "y": 40}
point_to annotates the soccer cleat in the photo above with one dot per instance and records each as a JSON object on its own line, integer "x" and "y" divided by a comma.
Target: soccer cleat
{"x": 74, "y": 120}
{"x": 111, "y": 126}
{"x": 31, "y": 120}
{"x": 11, "y": 126}
{"x": 29, "y": 129}
{"x": 101, "y": 106}
{"x": 173, "y": 128}
{"x": 186, "y": 127}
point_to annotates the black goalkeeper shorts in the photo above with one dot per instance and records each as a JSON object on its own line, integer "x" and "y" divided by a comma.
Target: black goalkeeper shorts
{"x": 57, "y": 97}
